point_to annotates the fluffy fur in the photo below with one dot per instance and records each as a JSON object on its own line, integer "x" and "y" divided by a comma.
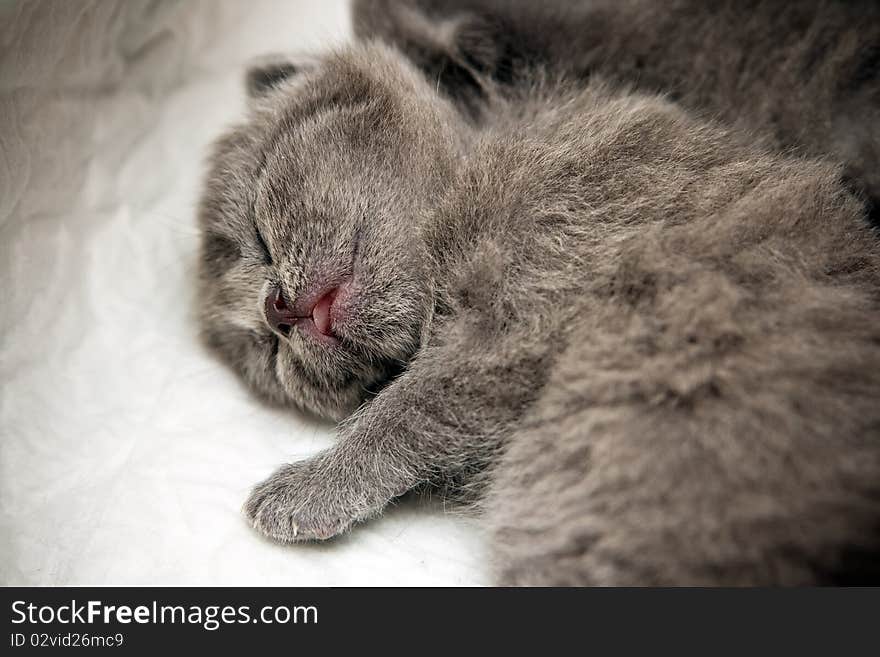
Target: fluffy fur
{"x": 804, "y": 76}
{"x": 648, "y": 346}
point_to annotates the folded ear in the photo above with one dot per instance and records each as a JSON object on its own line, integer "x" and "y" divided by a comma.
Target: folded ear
{"x": 266, "y": 73}
{"x": 459, "y": 51}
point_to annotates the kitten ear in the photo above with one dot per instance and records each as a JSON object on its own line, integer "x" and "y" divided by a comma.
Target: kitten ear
{"x": 457, "y": 51}
{"x": 265, "y": 73}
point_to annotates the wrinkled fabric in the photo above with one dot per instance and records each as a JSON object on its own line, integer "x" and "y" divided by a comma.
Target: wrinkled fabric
{"x": 127, "y": 450}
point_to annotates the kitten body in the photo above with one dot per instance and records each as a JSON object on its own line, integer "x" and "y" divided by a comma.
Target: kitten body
{"x": 804, "y": 76}
{"x": 645, "y": 346}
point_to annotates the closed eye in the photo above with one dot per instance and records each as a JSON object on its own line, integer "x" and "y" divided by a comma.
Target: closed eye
{"x": 267, "y": 256}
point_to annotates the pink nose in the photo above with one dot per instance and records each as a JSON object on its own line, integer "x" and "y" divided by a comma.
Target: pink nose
{"x": 279, "y": 315}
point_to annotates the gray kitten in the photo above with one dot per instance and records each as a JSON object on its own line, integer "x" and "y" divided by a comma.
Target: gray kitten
{"x": 648, "y": 347}
{"x": 803, "y": 75}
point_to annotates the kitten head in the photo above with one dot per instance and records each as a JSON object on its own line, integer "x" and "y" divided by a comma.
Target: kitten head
{"x": 313, "y": 278}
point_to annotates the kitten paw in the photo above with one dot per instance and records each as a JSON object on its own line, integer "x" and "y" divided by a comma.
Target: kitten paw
{"x": 298, "y": 503}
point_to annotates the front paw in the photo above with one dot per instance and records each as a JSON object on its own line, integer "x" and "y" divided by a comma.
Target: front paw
{"x": 300, "y": 503}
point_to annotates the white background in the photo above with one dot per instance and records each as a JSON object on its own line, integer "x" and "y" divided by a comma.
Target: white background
{"x": 126, "y": 450}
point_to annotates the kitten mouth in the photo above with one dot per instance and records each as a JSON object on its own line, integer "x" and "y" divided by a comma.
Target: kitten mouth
{"x": 315, "y": 315}
{"x": 321, "y": 312}
{"x": 319, "y": 323}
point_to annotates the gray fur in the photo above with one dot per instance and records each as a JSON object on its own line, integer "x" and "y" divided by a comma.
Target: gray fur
{"x": 646, "y": 347}
{"x": 804, "y": 76}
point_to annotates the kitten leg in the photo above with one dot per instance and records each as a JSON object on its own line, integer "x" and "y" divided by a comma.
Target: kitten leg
{"x": 320, "y": 497}
{"x": 439, "y": 423}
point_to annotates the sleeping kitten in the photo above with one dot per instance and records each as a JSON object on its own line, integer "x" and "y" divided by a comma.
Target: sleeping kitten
{"x": 649, "y": 348}
{"x": 804, "y": 75}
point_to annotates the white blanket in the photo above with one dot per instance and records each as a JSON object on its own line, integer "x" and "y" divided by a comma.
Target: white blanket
{"x": 126, "y": 450}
